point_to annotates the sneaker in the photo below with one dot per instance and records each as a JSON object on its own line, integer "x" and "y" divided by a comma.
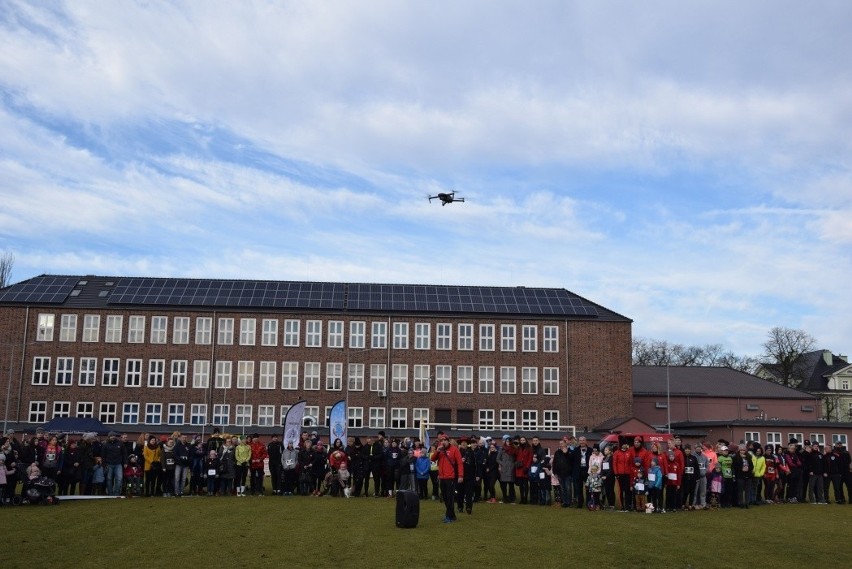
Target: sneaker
{"x": 492, "y": 501}
{"x": 447, "y": 520}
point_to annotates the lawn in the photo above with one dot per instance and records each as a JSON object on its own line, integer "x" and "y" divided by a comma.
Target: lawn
{"x": 255, "y": 532}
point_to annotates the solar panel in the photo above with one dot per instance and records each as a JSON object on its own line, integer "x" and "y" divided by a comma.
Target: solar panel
{"x": 43, "y": 289}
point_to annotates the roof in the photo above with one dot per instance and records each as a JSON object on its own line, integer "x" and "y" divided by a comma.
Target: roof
{"x": 815, "y": 368}
{"x": 75, "y": 425}
{"x": 765, "y": 423}
{"x": 179, "y": 293}
{"x": 702, "y": 381}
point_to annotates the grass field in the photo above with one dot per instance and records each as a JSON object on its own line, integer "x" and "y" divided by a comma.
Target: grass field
{"x": 305, "y": 532}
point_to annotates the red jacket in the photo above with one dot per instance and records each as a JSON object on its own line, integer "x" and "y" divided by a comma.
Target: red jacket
{"x": 450, "y": 466}
{"x": 643, "y": 454}
{"x": 673, "y": 469}
{"x": 523, "y": 455}
{"x": 621, "y": 462}
{"x": 258, "y": 454}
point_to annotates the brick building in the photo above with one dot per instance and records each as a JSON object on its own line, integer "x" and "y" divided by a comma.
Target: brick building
{"x": 161, "y": 354}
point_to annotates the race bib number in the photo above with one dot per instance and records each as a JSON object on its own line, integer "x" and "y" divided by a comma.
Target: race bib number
{"x": 541, "y": 475}
{"x": 672, "y": 476}
{"x": 652, "y": 477}
{"x": 211, "y": 472}
{"x": 170, "y": 461}
{"x": 640, "y": 487}
{"x": 688, "y": 470}
{"x": 605, "y": 466}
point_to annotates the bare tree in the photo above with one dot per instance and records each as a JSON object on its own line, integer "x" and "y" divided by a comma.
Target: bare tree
{"x": 783, "y": 350}
{"x": 7, "y": 263}
{"x": 648, "y": 352}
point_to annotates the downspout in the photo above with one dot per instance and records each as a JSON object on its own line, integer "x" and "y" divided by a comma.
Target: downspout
{"x": 23, "y": 362}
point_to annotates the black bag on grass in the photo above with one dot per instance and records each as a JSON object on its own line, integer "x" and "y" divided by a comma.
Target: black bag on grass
{"x": 407, "y": 509}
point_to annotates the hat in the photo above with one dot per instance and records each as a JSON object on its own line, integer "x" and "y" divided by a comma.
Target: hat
{"x": 313, "y": 433}
{"x": 723, "y": 447}
{"x": 381, "y": 434}
{"x": 506, "y": 437}
{"x": 637, "y": 460}
{"x": 10, "y": 432}
{"x": 113, "y": 434}
{"x": 216, "y": 430}
{"x": 838, "y": 444}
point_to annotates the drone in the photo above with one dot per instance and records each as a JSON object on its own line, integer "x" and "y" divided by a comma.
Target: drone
{"x": 446, "y": 198}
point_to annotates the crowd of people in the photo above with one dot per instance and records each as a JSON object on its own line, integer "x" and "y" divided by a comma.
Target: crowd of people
{"x": 459, "y": 472}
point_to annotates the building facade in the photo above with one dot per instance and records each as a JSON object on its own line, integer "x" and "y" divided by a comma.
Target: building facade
{"x": 164, "y": 354}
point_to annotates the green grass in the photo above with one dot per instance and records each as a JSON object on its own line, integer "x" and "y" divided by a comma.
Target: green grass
{"x": 306, "y": 532}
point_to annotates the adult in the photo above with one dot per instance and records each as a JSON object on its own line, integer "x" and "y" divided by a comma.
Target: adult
{"x": 703, "y": 463}
{"x": 834, "y": 471}
{"x": 814, "y": 469}
{"x": 506, "y": 468}
{"x": 561, "y": 467}
{"x": 114, "y": 460}
{"x": 793, "y": 463}
{"x": 580, "y": 457}
{"x": 522, "y": 454}
{"x": 450, "y": 473}
{"x": 374, "y": 453}
{"x": 183, "y": 462}
{"x": 242, "y": 458}
{"x": 259, "y": 455}
{"x": 289, "y": 462}
{"x": 743, "y": 472}
{"x": 622, "y": 465}
{"x": 153, "y": 465}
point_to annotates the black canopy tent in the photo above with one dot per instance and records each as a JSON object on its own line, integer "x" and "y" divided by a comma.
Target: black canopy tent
{"x": 75, "y": 426}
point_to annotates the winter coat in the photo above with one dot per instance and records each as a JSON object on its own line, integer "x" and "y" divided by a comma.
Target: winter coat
{"x": 506, "y": 466}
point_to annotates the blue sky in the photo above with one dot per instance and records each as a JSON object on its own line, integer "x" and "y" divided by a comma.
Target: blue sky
{"x": 685, "y": 164}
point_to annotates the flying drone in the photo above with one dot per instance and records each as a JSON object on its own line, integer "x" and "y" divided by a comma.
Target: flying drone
{"x": 446, "y": 198}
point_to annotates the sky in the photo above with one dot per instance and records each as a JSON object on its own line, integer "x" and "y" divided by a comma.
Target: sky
{"x": 685, "y": 164}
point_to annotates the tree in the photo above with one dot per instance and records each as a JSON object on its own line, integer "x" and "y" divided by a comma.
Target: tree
{"x": 783, "y": 350}
{"x": 649, "y": 352}
{"x": 7, "y": 263}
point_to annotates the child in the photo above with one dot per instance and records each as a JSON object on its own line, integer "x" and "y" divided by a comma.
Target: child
{"x": 655, "y": 485}
{"x": 343, "y": 478}
{"x": 5, "y": 474}
{"x": 595, "y": 484}
{"x": 533, "y": 476}
{"x": 544, "y": 482}
{"x": 133, "y": 477}
{"x": 211, "y": 467}
{"x": 421, "y": 469}
{"x": 557, "y": 491}
{"x": 717, "y": 486}
{"x": 674, "y": 478}
{"x": 98, "y": 478}
{"x": 640, "y": 491}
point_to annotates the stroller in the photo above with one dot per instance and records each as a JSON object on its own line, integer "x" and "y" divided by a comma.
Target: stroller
{"x": 42, "y": 490}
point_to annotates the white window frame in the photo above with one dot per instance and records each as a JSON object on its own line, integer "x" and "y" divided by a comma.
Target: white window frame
{"x": 399, "y": 378}
{"x": 357, "y": 334}
{"x": 68, "y": 328}
{"x": 224, "y": 373}
{"x": 110, "y": 372}
{"x": 486, "y": 379}
{"x": 335, "y": 334}
{"x": 508, "y": 418}
{"x": 313, "y": 334}
{"x": 290, "y": 375}
{"x": 529, "y": 381}
{"x": 245, "y": 374}
{"x": 422, "y": 378}
{"x": 201, "y": 374}
{"x": 752, "y": 436}
{"x": 243, "y": 415}
{"x": 443, "y": 336}
{"x": 508, "y": 338}
{"x": 267, "y": 376}
{"x": 464, "y": 379}
{"x": 334, "y": 376}
{"x": 464, "y": 337}
{"x": 108, "y": 413}
{"x": 225, "y": 332}
{"x": 114, "y": 328}
{"x": 85, "y": 409}
{"x": 159, "y": 329}
{"x": 198, "y": 414}
{"x": 46, "y": 324}
{"x": 292, "y": 329}
{"x": 486, "y": 337}
{"x": 418, "y": 416}
{"x": 38, "y": 412}
{"x": 64, "y": 371}
{"x": 508, "y": 380}
{"x": 176, "y": 414}
{"x": 266, "y": 415}
{"x": 550, "y": 339}
{"x": 377, "y": 418}
{"x": 88, "y": 375}
{"x": 269, "y": 337}
{"x": 550, "y": 381}
{"x": 355, "y": 418}
{"x": 529, "y": 335}
{"x": 180, "y": 331}
{"x": 203, "y": 330}
{"x": 529, "y": 419}
{"x": 135, "y": 329}
{"x": 178, "y": 374}
{"x": 398, "y": 418}
{"x": 773, "y": 438}
{"x": 221, "y": 414}
{"x": 133, "y": 372}
{"x": 355, "y": 377}
{"x": 156, "y": 373}
{"x": 379, "y": 335}
{"x": 61, "y": 409}
{"x": 248, "y": 331}
{"x": 311, "y": 376}
{"x": 153, "y": 413}
{"x": 130, "y": 413}
{"x": 443, "y": 379}
{"x": 486, "y": 418}
{"x": 378, "y": 378}
{"x": 422, "y": 338}
{"x": 550, "y": 420}
{"x": 400, "y": 335}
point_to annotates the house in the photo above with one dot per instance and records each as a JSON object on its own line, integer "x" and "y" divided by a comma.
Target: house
{"x": 824, "y": 375}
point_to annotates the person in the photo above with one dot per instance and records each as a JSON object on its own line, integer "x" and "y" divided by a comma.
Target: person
{"x": 393, "y": 457}
{"x": 770, "y": 475}
{"x": 506, "y": 467}
{"x": 594, "y": 483}
{"x": 133, "y": 477}
{"x": 5, "y": 473}
{"x": 289, "y": 462}
{"x": 450, "y": 473}
{"x": 834, "y": 471}
{"x": 716, "y": 485}
{"x": 674, "y": 481}
{"x": 703, "y": 462}
{"x": 274, "y": 452}
{"x": 757, "y": 482}
{"x": 357, "y": 467}
{"x": 337, "y": 460}
{"x": 545, "y": 497}
{"x": 814, "y": 468}
{"x": 640, "y": 490}
{"x": 539, "y": 452}
{"x": 725, "y": 461}
{"x": 183, "y": 462}
{"x": 422, "y": 466}
{"x": 168, "y": 473}
{"x": 691, "y": 469}
{"x": 375, "y": 456}
{"x": 491, "y": 473}
{"x": 655, "y": 485}
{"x": 69, "y": 476}
{"x": 215, "y": 442}
{"x": 522, "y": 454}
{"x": 743, "y": 470}
{"x": 580, "y": 469}
{"x": 472, "y": 473}
{"x": 621, "y": 465}
{"x": 227, "y": 467}
{"x": 608, "y": 476}
{"x": 152, "y": 465}
{"x": 794, "y": 467}
{"x": 50, "y": 458}
{"x": 98, "y": 478}
{"x": 211, "y": 469}
{"x": 257, "y": 462}
{"x": 113, "y": 460}
{"x": 242, "y": 457}
{"x": 319, "y": 464}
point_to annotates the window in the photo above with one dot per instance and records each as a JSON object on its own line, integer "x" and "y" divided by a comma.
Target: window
{"x": 530, "y": 338}
{"x": 179, "y": 370}
{"x": 443, "y": 417}
{"x": 133, "y": 373}
{"x": 507, "y": 418}
{"x": 85, "y": 409}
{"x": 356, "y": 377}
{"x": 114, "y": 326}
{"x": 486, "y": 379}
{"x": 248, "y": 327}
{"x": 130, "y": 413}
{"x": 284, "y": 409}
{"x": 201, "y": 374}
{"x": 464, "y": 379}
{"x": 333, "y": 376}
{"x": 312, "y": 376}
{"x": 839, "y": 438}
{"x": 135, "y": 329}
{"x": 64, "y": 371}
{"x": 156, "y": 373}
{"x": 443, "y": 379}
{"x": 198, "y": 414}
{"x": 465, "y": 338}
{"x": 159, "y": 329}
{"x": 109, "y": 377}
{"x": 61, "y": 409}
{"x": 291, "y": 333}
{"x": 245, "y": 374}
{"x": 88, "y": 371}
{"x": 289, "y": 375}
{"x": 507, "y": 338}
{"x": 400, "y": 335}
{"x": 773, "y": 438}
{"x": 225, "y": 336}
{"x": 91, "y": 327}
{"x": 818, "y": 438}
{"x": 844, "y": 383}
{"x": 507, "y": 380}
{"x": 421, "y": 378}
{"x": 221, "y": 414}
{"x": 529, "y": 381}
{"x": 378, "y": 377}
{"x": 175, "y": 414}
{"x": 270, "y": 335}
{"x": 153, "y": 413}
{"x": 313, "y": 333}
{"x": 419, "y": 415}
{"x": 68, "y": 329}
{"x": 399, "y": 379}
{"x": 377, "y": 417}
{"x": 444, "y": 337}
{"x": 422, "y": 338}
{"x": 243, "y": 415}
{"x": 357, "y": 334}
{"x": 108, "y": 414}
{"x": 550, "y": 422}
{"x": 45, "y": 328}
{"x": 486, "y": 337}
{"x": 223, "y": 374}
{"x": 551, "y": 339}
{"x": 311, "y": 416}
{"x": 265, "y": 415}
{"x": 38, "y": 411}
{"x": 797, "y": 436}
{"x": 529, "y": 419}
{"x": 203, "y": 330}
{"x": 335, "y": 334}
{"x": 41, "y": 371}
{"x": 486, "y": 418}
{"x": 180, "y": 334}
{"x": 266, "y": 378}
{"x": 550, "y": 384}
{"x": 755, "y": 436}
{"x": 355, "y": 417}
{"x": 399, "y": 418}
{"x": 379, "y": 335}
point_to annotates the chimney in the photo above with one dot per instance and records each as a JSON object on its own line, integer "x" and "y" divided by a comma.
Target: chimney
{"x": 827, "y": 357}
{"x": 842, "y": 358}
